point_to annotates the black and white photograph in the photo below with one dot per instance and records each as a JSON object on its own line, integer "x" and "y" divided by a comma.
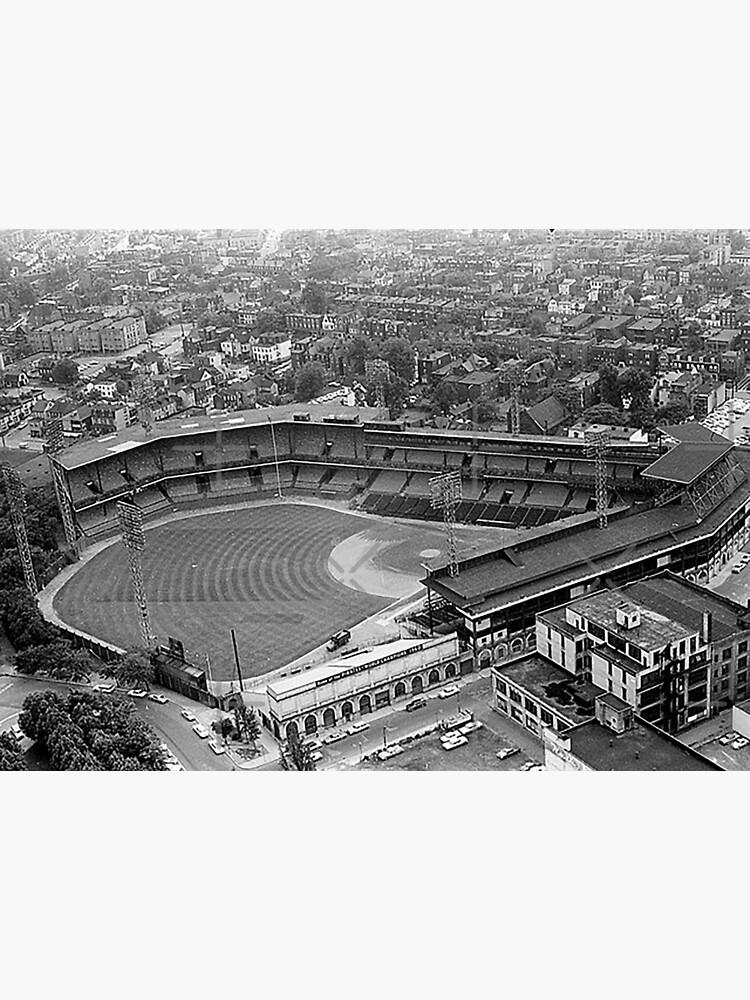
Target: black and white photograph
{"x": 376, "y": 499}
{"x": 374, "y": 432}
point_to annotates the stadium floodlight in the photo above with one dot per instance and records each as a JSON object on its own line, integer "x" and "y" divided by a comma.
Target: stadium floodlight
{"x": 446, "y": 492}
{"x": 379, "y": 373}
{"x": 133, "y": 538}
{"x": 597, "y": 443}
{"x": 64, "y": 502}
{"x": 276, "y": 460}
{"x": 17, "y": 507}
{"x": 516, "y": 379}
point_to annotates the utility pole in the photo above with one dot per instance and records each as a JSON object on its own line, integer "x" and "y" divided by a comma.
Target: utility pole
{"x": 237, "y": 660}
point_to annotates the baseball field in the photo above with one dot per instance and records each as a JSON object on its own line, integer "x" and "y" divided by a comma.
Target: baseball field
{"x": 284, "y": 576}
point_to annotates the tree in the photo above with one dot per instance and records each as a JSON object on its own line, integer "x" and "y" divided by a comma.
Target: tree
{"x": 313, "y": 299}
{"x": 297, "y": 755}
{"x": 309, "y": 382}
{"x": 486, "y": 412}
{"x": 90, "y": 732}
{"x": 396, "y": 391}
{"x": 642, "y": 415}
{"x": 247, "y": 723}
{"x": 224, "y": 727}
{"x": 537, "y": 327}
{"x": 270, "y": 321}
{"x": 357, "y": 351}
{"x": 568, "y": 396}
{"x": 443, "y": 396}
{"x": 672, "y": 413}
{"x": 11, "y": 758}
{"x": 609, "y": 389}
{"x": 65, "y": 372}
{"x": 154, "y": 320}
{"x": 603, "y": 413}
{"x": 134, "y": 670}
{"x": 636, "y": 383}
{"x": 56, "y": 659}
{"x": 400, "y": 356}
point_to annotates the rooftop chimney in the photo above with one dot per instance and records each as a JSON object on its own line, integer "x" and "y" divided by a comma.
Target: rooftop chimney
{"x": 706, "y": 627}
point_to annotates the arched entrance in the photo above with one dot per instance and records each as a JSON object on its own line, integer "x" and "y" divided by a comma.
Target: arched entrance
{"x": 400, "y": 690}
{"x": 329, "y": 717}
{"x": 484, "y": 659}
{"x": 450, "y": 670}
{"x": 416, "y": 685}
{"x": 311, "y": 724}
{"x": 365, "y": 705}
{"x": 516, "y": 646}
{"x": 347, "y": 710}
{"x": 292, "y": 730}
{"x": 433, "y": 677}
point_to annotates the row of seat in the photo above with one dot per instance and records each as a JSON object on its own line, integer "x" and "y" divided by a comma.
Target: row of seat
{"x": 467, "y": 512}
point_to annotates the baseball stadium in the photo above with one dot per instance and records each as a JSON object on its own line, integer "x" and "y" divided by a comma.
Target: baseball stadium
{"x": 285, "y": 525}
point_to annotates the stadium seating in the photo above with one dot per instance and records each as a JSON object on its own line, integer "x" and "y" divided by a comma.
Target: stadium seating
{"x": 389, "y": 482}
{"x": 547, "y": 495}
{"x": 579, "y": 500}
{"x": 419, "y": 485}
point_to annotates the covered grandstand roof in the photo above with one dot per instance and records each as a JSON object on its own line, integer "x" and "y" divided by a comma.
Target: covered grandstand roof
{"x": 691, "y": 431}
{"x": 551, "y": 557}
{"x": 687, "y": 461}
{"x": 133, "y": 437}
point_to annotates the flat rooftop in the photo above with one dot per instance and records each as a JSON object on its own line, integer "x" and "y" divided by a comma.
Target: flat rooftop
{"x": 642, "y": 748}
{"x": 561, "y": 691}
{"x": 654, "y": 631}
{"x": 285, "y": 687}
{"x": 687, "y": 461}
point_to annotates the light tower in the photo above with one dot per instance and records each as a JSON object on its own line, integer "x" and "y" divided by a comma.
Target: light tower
{"x": 597, "y": 442}
{"x": 131, "y": 529}
{"x": 446, "y": 492}
{"x": 379, "y": 373}
{"x": 64, "y": 502}
{"x": 17, "y": 507}
{"x": 516, "y": 380}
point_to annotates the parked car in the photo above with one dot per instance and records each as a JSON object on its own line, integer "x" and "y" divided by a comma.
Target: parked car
{"x": 316, "y": 755}
{"x": 201, "y": 731}
{"x": 187, "y": 714}
{"x": 334, "y": 737}
{"x": 158, "y": 698}
{"x": 392, "y": 751}
{"x": 217, "y": 748}
{"x": 137, "y": 694}
{"x": 18, "y": 733}
{"x": 726, "y": 739}
{"x": 415, "y": 703}
{"x": 449, "y": 691}
{"x": 105, "y": 688}
{"x": 358, "y": 727}
{"x": 312, "y": 745}
{"x": 740, "y": 743}
{"x": 738, "y": 567}
{"x": 470, "y": 727}
{"x": 506, "y": 752}
{"x": 459, "y": 741}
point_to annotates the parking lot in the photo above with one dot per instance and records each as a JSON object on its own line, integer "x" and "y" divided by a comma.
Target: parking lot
{"x": 478, "y": 753}
{"x": 731, "y": 751}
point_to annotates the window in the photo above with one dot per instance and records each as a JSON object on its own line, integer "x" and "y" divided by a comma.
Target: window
{"x": 596, "y": 630}
{"x": 515, "y": 695}
{"x": 546, "y": 717}
{"x": 502, "y": 704}
{"x": 501, "y": 686}
{"x": 742, "y": 662}
{"x": 693, "y": 644}
{"x": 530, "y": 706}
{"x": 726, "y": 654}
{"x": 742, "y": 648}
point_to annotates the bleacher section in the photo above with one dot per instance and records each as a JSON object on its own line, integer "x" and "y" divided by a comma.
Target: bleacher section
{"x": 383, "y": 467}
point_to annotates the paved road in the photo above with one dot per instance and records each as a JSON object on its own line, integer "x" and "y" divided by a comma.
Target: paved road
{"x": 193, "y": 753}
{"x": 474, "y": 696}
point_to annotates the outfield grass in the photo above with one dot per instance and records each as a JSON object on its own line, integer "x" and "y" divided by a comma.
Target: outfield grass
{"x": 263, "y": 571}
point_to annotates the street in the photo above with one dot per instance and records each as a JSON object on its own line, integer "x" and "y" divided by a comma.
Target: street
{"x": 387, "y": 727}
{"x": 193, "y": 753}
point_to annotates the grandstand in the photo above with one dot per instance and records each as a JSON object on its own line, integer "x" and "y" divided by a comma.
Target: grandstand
{"x": 693, "y": 524}
{"x": 348, "y": 453}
